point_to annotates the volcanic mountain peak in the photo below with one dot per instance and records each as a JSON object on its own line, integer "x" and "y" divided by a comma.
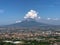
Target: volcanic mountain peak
{"x": 28, "y": 23}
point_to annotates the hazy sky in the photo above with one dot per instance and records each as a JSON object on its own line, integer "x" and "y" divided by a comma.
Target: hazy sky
{"x": 13, "y": 10}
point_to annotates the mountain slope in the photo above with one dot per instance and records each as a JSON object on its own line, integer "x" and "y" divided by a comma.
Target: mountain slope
{"x": 28, "y": 23}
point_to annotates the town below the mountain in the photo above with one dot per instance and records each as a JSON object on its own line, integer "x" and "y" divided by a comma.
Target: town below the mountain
{"x": 29, "y": 36}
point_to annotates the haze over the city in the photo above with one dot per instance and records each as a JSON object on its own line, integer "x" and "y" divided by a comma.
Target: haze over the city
{"x": 12, "y": 11}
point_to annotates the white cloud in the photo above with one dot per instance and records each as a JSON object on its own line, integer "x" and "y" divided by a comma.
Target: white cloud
{"x": 32, "y": 14}
{"x": 48, "y": 18}
{"x": 56, "y": 19}
{"x": 1, "y": 11}
{"x": 18, "y": 21}
{"x": 39, "y": 17}
{"x": 53, "y": 19}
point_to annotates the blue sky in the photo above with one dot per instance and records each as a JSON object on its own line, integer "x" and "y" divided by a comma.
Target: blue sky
{"x": 12, "y": 10}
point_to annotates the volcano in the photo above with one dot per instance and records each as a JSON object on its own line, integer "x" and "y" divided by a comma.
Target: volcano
{"x": 28, "y": 23}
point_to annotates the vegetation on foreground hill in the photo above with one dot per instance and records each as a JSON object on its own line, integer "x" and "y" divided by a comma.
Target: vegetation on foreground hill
{"x": 47, "y": 41}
